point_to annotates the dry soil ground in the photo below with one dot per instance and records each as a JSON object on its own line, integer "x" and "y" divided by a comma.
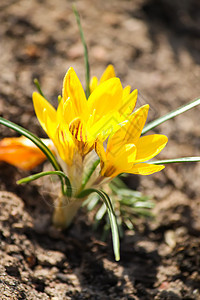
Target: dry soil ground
{"x": 155, "y": 47}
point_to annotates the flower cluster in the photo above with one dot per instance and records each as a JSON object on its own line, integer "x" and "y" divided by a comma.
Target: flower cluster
{"x": 83, "y": 130}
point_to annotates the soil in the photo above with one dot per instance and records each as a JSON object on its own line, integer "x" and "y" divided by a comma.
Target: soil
{"x": 155, "y": 47}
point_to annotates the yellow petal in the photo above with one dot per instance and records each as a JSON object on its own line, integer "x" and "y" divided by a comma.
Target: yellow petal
{"x": 131, "y": 131}
{"x": 42, "y": 106}
{"x": 108, "y": 73}
{"x": 73, "y": 89}
{"x": 118, "y": 161}
{"x": 60, "y": 110}
{"x": 149, "y": 146}
{"x": 126, "y": 91}
{"x": 129, "y": 102}
{"x": 93, "y": 83}
{"x": 122, "y": 155}
{"x": 104, "y": 126}
{"x": 109, "y": 170}
{"x": 99, "y": 148}
{"x": 21, "y": 152}
{"x": 145, "y": 169}
{"x": 122, "y": 158}
{"x": 106, "y": 98}
{"x": 81, "y": 137}
{"x": 78, "y": 130}
{"x": 64, "y": 143}
{"x": 65, "y": 112}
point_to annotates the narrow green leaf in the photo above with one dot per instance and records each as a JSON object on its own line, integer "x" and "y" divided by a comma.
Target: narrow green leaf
{"x": 36, "y": 82}
{"x": 117, "y": 183}
{"x": 86, "y": 59}
{"x": 67, "y": 192}
{"x": 175, "y": 160}
{"x": 140, "y": 204}
{"x": 112, "y": 217}
{"x": 91, "y": 202}
{"x": 129, "y": 193}
{"x": 101, "y": 212}
{"x": 89, "y": 173}
{"x": 129, "y": 224}
{"x": 170, "y": 115}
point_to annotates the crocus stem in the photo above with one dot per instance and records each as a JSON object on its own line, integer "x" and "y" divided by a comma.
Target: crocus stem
{"x": 65, "y": 211}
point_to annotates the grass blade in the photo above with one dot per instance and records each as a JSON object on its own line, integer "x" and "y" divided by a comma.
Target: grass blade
{"x": 101, "y": 212}
{"x": 36, "y": 82}
{"x": 67, "y": 192}
{"x": 86, "y": 59}
{"x": 112, "y": 218}
{"x": 89, "y": 173}
{"x": 175, "y": 160}
{"x": 170, "y": 115}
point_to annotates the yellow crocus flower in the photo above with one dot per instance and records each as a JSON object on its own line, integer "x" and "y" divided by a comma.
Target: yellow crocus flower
{"x": 79, "y": 123}
{"x": 78, "y": 131}
{"x": 127, "y": 152}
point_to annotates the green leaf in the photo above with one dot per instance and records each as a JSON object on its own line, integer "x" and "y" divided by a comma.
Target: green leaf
{"x": 86, "y": 59}
{"x": 89, "y": 173}
{"x": 38, "y": 87}
{"x": 170, "y": 115}
{"x": 67, "y": 192}
{"x": 101, "y": 212}
{"x": 117, "y": 183}
{"x": 129, "y": 193}
{"x": 91, "y": 202}
{"x": 112, "y": 217}
{"x": 175, "y": 160}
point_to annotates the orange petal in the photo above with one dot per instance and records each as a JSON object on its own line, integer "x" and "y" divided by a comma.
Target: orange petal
{"x": 21, "y": 152}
